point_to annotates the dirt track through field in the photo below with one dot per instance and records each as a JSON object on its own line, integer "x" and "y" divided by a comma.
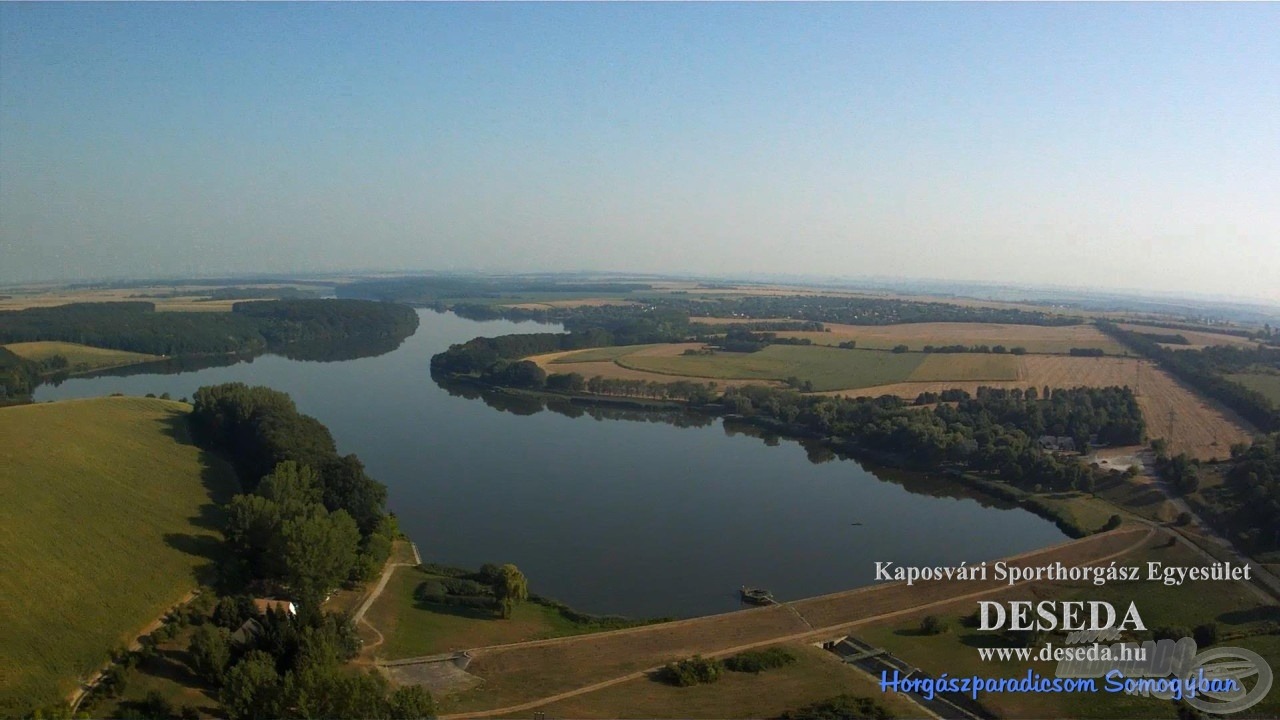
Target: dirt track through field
{"x": 566, "y": 667}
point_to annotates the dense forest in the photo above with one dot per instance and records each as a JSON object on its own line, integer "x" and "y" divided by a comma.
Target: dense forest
{"x": 250, "y": 327}
{"x": 995, "y": 431}
{"x": 1246, "y": 507}
{"x": 1204, "y": 370}
{"x": 18, "y": 376}
{"x": 300, "y": 494}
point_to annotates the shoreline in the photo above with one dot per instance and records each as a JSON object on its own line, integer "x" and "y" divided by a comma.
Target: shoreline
{"x": 959, "y": 475}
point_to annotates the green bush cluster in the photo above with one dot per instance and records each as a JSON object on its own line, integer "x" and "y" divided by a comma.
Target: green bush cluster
{"x": 696, "y": 670}
{"x": 756, "y": 661}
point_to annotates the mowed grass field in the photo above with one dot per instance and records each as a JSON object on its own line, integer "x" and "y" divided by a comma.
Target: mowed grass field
{"x": 1266, "y": 383}
{"x": 827, "y": 368}
{"x": 411, "y": 629}
{"x": 79, "y": 357}
{"x": 106, "y": 516}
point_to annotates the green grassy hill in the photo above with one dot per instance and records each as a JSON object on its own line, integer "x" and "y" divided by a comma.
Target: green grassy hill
{"x": 107, "y": 515}
{"x": 80, "y": 358}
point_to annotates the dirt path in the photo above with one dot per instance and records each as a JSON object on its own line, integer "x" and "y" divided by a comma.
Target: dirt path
{"x": 387, "y": 570}
{"x": 77, "y": 695}
{"x": 820, "y": 633}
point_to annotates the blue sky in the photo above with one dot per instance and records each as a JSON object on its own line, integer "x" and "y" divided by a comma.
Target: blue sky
{"x": 1123, "y": 146}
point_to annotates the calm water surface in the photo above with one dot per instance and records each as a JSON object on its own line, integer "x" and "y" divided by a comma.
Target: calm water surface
{"x": 635, "y": 518}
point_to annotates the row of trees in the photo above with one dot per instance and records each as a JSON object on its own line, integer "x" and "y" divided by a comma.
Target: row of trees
{"x": 1205, "y": 370}
{"x": 251, "y": 327}
{"x": 995, "y": 349}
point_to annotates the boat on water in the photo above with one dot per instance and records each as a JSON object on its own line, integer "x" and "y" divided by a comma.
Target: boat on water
{"x": 756, "y": 596}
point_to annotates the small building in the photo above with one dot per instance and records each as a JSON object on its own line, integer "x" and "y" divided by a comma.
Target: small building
{"x": 245, "y": 634}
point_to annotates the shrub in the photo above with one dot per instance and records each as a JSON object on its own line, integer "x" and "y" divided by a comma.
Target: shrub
{"x": 430, "y": 591}
{"x": 696, "y": 670}
{"x": 754, "y": 661}
{"x": 461, "y": 586}
{"x": 840, "y": 707}
{"x": 1206, "y": 634}
{"x": 932, "y": 625}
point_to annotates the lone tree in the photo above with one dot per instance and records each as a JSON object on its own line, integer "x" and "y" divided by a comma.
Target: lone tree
{"x": 509, "y": 587}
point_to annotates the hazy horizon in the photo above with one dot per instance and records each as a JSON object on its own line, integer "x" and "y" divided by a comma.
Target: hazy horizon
{"x": 1121, "y": 147}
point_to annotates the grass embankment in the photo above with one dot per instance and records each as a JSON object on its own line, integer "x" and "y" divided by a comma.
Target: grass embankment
{"x": 106, "y": 515}
{"x": 412, "y": 628}
{"x": 524, "y": 673}
{"x": 1232, "y": 606}
{"x": 816, "y": 675}
{"x": 80, "y": 358}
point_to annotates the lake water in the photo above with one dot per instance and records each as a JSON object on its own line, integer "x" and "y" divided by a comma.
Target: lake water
{"x": 625, "y": 516}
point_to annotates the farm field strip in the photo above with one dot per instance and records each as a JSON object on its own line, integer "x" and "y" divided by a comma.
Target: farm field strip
{"x": 966, "y": 366}
{"x": 1035, "y": 338}
{"x": 826, "y": 368}
{"x": 1266, "y": 383}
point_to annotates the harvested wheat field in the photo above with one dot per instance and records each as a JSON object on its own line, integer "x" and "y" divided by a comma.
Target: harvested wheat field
{"x": 1035, "y": 338}
{"x": 1200, "y": 428}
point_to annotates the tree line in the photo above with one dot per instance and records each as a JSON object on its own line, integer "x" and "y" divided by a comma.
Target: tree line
{"x": 250, "y": 327}
{"x": 996, "y": 431}
{"x": 1204, "y": 370}
{"x": 483, "y": 353}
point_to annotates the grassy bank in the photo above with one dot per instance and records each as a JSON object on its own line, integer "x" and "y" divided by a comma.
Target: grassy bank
{"x": 106, "y": 518}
